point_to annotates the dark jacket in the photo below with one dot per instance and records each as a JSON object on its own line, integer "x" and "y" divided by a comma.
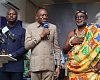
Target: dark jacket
{"x": 15, "y": 48}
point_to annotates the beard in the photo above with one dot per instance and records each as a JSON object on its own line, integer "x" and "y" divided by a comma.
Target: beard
{"x": 11, "y": 20}
{"x": 81, "y": 23}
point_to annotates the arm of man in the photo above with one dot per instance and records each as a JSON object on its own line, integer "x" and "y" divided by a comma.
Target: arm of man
{"x": 21, "y": 50}
{"x": 69, "y": 44}
{"x": 31, "y": 41}
{"x": 67, "y": 47}
{"x": 57, "y": 52}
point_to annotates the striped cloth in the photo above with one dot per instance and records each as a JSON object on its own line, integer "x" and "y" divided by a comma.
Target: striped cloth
{"x": 83, "y": 57}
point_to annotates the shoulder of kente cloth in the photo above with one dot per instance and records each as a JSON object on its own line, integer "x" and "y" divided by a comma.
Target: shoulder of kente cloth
{"x": 93, "y": 24}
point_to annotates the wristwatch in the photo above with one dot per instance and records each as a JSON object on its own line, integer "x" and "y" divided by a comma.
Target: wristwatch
{"x": 58, "y": 66}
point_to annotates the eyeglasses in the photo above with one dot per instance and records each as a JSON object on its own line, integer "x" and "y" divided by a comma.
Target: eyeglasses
{"x": 79, "y": 17}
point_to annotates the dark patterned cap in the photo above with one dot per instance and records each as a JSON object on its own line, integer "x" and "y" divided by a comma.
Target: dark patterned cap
{"x": 82, "y": 11}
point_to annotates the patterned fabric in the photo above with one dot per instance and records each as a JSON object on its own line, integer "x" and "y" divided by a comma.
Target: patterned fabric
{"x": 83, "y": 57}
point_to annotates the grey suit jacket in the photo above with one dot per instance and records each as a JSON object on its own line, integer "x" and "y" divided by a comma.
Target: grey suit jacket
{"x": 42, "y": 57}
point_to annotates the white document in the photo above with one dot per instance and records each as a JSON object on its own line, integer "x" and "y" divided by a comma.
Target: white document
{"x": 7, "y": 58}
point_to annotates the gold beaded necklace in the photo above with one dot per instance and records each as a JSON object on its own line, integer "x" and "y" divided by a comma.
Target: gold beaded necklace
{"x": 79, "y": 35}
{"x": 77, "y": 48}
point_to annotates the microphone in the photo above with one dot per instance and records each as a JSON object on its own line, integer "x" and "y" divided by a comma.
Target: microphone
{"x": 8, "y": 33}
{"x": 46, "y": 26}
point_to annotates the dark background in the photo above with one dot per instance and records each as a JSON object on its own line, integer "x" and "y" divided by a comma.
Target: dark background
{"x": 62, "y": 15}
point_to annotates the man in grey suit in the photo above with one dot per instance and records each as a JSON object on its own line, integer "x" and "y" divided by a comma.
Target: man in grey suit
{"x": 42, "y": 42}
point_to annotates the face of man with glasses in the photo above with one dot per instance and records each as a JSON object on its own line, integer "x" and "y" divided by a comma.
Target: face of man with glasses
{"x": 81, "y": 18}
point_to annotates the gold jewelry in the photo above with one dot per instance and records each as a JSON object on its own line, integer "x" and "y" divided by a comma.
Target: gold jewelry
{"x": 70, "y": 43}
{"x": 78, "y": 47}
{"x": 79, "y": 35}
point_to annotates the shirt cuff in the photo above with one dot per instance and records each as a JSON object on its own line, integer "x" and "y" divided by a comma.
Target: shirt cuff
{"x": 37, "y": 39}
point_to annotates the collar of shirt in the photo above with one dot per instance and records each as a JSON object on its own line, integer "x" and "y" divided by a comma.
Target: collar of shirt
{"x": 38, "y": 24}
{"x": 12, "y": 26}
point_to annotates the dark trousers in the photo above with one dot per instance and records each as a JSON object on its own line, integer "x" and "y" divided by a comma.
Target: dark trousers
{"x": 62, "y": 74}
{"x": 11, "y": 76}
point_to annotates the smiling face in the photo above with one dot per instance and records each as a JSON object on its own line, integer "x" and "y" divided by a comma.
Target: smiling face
{"x": 42, "y": 16}
{"x": 81, "y": 19}
{"x": 11, "y": 15}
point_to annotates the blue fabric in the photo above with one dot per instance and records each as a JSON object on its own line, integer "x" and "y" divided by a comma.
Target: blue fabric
{"x": 11, "y": 76}
{"x": 89, "y": 24}
{"x": 98, "y": 25}
{"x": 16, "y": 49}
{"x": 62, "y": 58}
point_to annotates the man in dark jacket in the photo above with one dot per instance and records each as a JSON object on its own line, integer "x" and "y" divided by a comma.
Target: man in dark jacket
{"x": 13, "y": 70}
